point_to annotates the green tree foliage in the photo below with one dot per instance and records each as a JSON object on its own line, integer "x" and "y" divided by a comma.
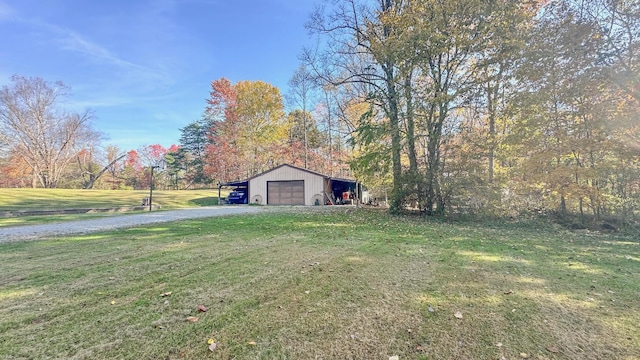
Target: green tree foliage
{"x": 303, "y": 127}
{"x": 190, "y": 157}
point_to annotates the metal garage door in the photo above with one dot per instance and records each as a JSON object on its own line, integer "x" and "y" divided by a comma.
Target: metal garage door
{"x": 285, "y": 192}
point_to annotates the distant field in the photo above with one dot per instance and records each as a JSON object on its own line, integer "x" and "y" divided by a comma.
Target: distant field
{"x": 50, "y": 199}
{"x": 12, "y": 200}
{"x": 328, "y": 284}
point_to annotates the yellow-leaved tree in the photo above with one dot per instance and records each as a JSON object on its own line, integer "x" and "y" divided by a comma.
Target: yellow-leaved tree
{"x": 248, "y": 129}
{"x": 263, "y": 126}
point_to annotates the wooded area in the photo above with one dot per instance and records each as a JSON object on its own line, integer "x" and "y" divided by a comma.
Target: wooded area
{"x": 466, "y": 106}
{"x": 497, "y": 107}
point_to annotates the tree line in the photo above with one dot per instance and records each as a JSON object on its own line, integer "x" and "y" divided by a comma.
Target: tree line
{"x": 490, "y": 106}
{"x": 244, "y": 130}
{"x": 44, "y": 145}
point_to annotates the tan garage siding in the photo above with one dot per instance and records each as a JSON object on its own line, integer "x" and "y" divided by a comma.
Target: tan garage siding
{"x": 313, "y": 183}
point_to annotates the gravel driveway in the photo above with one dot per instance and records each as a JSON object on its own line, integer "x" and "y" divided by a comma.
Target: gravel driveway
{"x": 32, "y": 232}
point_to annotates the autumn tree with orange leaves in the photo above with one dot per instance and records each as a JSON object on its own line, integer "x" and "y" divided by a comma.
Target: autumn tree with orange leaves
{"x": 248, "y": 129}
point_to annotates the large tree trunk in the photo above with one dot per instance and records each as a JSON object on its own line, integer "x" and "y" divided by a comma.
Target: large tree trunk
{"x": 396, "y": 146}
{"x": 434, "y": 199}
{"x": 415, "y": 182}
{"x": 330, "y": 132}
{"x": 388, "y": 67}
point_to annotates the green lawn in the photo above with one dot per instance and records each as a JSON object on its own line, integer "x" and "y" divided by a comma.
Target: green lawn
{"x": 51, "y": 199}
{"x": 338, "y": 284}
{"x": 12, "y": 200}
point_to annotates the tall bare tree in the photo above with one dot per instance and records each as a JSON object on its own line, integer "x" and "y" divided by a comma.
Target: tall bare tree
{"x": 357, "y": 55}
{"x": 38, "y": 130}
{"x": 301, "y": 87}
{"x": 618, "y": 25}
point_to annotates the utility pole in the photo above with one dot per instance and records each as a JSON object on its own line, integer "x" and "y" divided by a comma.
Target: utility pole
{"x": 151, "y": 187}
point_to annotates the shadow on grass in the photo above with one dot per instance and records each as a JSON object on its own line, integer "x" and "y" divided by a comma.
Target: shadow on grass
{"x": 514, "y": 282}
{"x": 205, "y": 201}
{"x": 337, "y": 285}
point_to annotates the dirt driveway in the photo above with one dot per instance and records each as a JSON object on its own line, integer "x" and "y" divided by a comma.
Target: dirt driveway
{"x": 33, "y": 232}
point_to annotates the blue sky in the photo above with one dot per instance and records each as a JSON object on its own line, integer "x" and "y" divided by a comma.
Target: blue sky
{"x": 145, "y": 66}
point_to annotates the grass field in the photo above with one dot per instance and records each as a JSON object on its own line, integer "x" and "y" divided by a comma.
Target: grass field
{"x": 56, "y": 199}
{"x": 50, "y": 199}
{"x": 333, "y": 285}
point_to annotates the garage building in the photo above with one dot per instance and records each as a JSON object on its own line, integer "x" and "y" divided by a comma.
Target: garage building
{"x": 291, "y": 185}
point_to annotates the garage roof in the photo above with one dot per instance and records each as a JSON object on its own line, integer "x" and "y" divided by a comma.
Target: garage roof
{"x": 291, "y": 166}
{"x": 235, "y": 183}
{"x": 246, "y": 182}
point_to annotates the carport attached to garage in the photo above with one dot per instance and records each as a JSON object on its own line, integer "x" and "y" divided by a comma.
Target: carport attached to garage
{"x": 290, "y": 185}
{"x": 236, "y": 185}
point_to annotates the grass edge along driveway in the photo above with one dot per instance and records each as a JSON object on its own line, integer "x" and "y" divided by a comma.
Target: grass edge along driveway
{"x": 83, "y": 225}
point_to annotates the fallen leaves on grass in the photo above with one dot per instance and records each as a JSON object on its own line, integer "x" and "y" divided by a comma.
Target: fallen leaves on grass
{"x": 192, "y": 319}
{"x": 252, "y": 343}
{"x": 524, "y": 355}
{"x": 458, "y": 315}
{"x": 212, "y": 344}
{"x": 553, "y": 349}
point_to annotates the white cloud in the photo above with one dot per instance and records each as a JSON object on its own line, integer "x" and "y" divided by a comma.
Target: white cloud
{"x": 127, "y": 77}
{"x": 74, "y": 42}
{"x": 108, "y": 99}
{"x": 6, "y": 12}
